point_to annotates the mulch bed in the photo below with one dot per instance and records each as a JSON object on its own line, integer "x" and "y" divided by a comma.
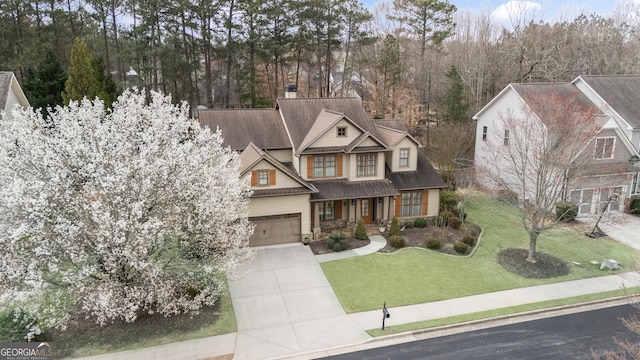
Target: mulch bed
{"x": 414, "y": 237}
{"x": 545, "y": 267}
{"x": 320, "y": 247}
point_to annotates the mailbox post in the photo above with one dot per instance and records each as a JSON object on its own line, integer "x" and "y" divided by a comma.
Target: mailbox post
{"x": 385, "y": 314}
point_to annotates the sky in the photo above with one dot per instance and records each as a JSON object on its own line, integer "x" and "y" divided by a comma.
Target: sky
{"x": 547, "y": 10}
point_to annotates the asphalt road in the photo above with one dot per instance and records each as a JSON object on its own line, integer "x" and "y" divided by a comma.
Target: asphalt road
{"x": 564, "y": 337}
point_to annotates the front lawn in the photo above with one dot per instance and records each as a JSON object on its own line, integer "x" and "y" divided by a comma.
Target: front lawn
{"x": 413, "y": 276}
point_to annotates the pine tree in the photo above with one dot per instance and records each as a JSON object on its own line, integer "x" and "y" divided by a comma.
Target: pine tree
{"x": 456, "y": 102}
{"x": 43, "y": 86}
{"x": 361, "y": 231}
{"x": 110, "y": 89}
{"x": 83, "y": 78}
{"x": 394, "y": 229}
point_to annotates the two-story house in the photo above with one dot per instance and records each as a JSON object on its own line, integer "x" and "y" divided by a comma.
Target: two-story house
{"x": 609, "y": 158}
{"x": 320, "y": 165}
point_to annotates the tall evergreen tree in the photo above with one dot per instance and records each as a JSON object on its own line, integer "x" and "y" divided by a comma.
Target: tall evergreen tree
{"x": 83, "y": 78}
{"x": 109, "y": 87}
{"x": 44, "y": 85}
{"x": 456, "y": 102}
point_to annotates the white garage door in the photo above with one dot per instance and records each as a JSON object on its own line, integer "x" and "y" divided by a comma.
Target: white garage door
{"x": 275, "y": 229}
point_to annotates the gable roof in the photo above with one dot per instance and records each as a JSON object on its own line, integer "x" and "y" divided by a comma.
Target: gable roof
{"x": 262, "y": 127}
{"x": 393, "y": 134}
{"x": 8, "y": 82}
{"x": 252, "y": 155}
{"x": 323, "y": 123}
{"x": 620, "y": 92}
{"x": 300, "y": 115}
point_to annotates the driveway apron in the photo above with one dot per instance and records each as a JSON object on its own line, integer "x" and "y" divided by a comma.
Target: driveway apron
{"x": 284, "y": 305}
{"x": 619, "y": 226}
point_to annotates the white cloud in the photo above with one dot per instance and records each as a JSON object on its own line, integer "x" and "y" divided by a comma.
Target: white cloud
{"x": 515, "y": 10}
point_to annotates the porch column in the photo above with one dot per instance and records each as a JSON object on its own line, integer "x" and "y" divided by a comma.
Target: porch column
{"x": 392, "y": 207}
{"x": 316, "y": 221}
{"x": 385, "y": 209}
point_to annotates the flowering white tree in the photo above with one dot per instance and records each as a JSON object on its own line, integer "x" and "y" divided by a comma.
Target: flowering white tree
{"x": 136, "y": 210}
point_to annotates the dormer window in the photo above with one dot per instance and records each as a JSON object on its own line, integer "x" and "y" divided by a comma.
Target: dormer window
{"x": 342, "y": 131}
{"x": 404, "y": 157}
{"x": 263, "y": 178}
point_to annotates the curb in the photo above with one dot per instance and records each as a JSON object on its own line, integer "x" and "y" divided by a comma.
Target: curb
{"x": 445, "y": 330}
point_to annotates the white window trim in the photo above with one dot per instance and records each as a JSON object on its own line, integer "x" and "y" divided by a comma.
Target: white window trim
{"x": 613, "y": 148}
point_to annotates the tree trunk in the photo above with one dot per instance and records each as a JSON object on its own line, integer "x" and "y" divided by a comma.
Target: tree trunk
{"x": 533, "y": 238}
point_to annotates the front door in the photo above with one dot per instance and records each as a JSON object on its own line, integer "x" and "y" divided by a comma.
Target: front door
{"x": 365, "y": 210}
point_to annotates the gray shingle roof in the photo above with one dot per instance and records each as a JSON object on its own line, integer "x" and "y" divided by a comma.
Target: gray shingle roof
{"x": 537, "y": 96}
{"x": 300, "y": 114}
{"x": 344, "y": 189}
{"x": 621, "y": 92}
{"x": 240, "y": 127}
{"x": 425, "y": 177}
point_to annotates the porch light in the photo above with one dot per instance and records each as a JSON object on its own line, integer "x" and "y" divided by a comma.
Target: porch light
{"x": 380, "y": 200}
{"x": 634, "y": 159}
{"x": 353, "y": 201}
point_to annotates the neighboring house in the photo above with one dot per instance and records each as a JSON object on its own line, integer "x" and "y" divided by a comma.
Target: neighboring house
{"x": 10, "y": 95}
{"x": 321, "y": 165}
{"x": 611, "y": 156}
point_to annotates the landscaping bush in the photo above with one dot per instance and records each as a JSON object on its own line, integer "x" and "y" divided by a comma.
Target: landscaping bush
{"x": 460, "y": 247}
{"x": 448, "y": 200}
{"x": 634, "y": 207}
{"x": 433, "y": 243}
{"x": 361, "y": 232}
{"x": 408, "y": 224}
{"x": 337, "y": 236}
{"x": 14, "y": 326}
{"x": 439, "y": 221}
{"x": 420, "y": 222}
{"x": 337, "y": 247}
{"x": 455, "y": 222}
{"x": 330, "y": 242}
{"x": 344, "y": 243}
{"x": 396, "y": 241}
{"x": 469, "y": 240}
{"x": 507, "y": 196}
{"x": 395, "y": 228}
{"x": 566, "y": 211}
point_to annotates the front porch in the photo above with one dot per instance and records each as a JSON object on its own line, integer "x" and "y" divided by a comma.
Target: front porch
{"x": 340, "y": 204}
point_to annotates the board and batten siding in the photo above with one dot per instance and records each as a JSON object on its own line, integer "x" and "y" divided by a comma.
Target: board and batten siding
{"x": 331, "y": 139}
{"x": 278, "y": 205}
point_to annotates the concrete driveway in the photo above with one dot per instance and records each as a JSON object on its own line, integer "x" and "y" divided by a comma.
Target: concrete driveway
{"x": 619, "y": 226}
{"x": 284, "y": 305}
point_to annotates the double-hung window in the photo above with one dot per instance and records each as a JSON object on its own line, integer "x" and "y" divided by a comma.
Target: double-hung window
{"x": 324, "y": 166}
{"x": 263, "y": 177}
{"x": 367, "y": 164}
{"x": 604, "y": 147}
{"x": 404, "y": 157}
{"x": 411, "y": 204}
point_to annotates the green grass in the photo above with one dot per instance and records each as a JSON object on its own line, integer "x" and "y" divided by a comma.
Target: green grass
{"x": 147, "y": 332}
{"x": 500, "y": 312}
{"x": 415, "y": 276}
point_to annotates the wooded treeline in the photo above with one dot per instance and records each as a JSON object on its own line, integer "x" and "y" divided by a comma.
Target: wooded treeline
{"x": 415, "y": 60}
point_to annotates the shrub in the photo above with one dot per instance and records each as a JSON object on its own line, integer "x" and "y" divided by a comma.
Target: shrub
{"x": 439, "y": 221}
{"x": 361, "y": 232}
{"x": 395, "y": 228}
{"x": 448, "y": 200}
{"x": 433, "y": 243}
{"x": 408, "y": 224}
{"x": 330, "y": 242}
{"x": 16, "y": 324}
{"x": 337, "y": 247}
{"x": 507, "y": 196}
{"x": 566, "y": 211}
{"x": 634, "y": 207}
{"x": 455, "y": 222}
{"x": 469, "y": 240}
{"x": 420, "y": 222}
{"x": 396, "y": 241}
{"x": 344, "y": 244}
{"x": 460, "y": 247}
